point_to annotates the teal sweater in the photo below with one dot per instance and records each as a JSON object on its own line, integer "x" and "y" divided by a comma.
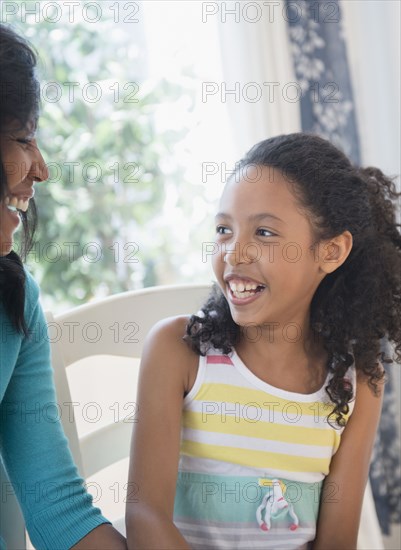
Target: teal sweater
{"x": 57, "y": 509}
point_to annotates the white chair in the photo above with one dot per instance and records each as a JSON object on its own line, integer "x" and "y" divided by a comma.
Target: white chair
{"x": 115, "y": 326}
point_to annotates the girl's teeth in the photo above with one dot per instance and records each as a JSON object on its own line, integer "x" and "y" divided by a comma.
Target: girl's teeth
{"x": 241, "y": 287}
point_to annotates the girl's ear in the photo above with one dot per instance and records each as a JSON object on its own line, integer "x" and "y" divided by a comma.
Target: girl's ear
{"x": 334, "y": 252}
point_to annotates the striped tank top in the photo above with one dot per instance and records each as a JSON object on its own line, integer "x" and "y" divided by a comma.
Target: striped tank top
{"x": 253, "y": 459}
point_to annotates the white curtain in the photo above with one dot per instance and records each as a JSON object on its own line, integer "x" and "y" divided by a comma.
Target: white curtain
{"x": 372, "y": 31}
{"x": 256, "y": 58}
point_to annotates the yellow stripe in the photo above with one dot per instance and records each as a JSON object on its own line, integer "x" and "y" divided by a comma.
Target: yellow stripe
{"x": 216, "y": 392}
{"x": 256, "y": 459}
{"x": 289, "y": 433}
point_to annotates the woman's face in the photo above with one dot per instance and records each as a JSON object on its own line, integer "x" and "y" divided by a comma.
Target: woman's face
{"x": 23, "y": 165}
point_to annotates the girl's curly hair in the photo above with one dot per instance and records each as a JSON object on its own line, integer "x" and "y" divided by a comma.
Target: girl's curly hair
{"x": 360, "y": 302}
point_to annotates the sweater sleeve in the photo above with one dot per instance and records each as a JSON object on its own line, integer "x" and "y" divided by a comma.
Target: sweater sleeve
{"x": 57, "y": 509}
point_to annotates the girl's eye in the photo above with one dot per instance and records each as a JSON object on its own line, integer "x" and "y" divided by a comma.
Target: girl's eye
{"x": 222, "y": 230}
{"x": 265, "y": 232}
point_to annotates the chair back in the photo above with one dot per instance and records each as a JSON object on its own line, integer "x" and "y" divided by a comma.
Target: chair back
{"x": 116, "y": 326}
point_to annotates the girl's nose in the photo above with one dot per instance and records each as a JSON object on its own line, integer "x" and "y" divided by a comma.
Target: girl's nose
{"x": 230, "y": 257}
{"x": 240, "y": 253}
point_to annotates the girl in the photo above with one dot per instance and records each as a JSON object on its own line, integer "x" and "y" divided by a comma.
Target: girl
{"x": 57, "y": 509}
{"x": 268, "y": 406}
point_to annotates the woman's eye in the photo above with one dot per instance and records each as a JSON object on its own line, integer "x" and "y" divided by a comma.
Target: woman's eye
{"x": 265, "y": 232}
{"x": 25, "y": 141}
{"x": 222, "y": 230}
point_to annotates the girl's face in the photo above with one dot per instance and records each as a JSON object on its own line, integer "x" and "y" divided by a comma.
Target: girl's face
{"x": 265, "y": 263}
{"x": 23, "y": 165}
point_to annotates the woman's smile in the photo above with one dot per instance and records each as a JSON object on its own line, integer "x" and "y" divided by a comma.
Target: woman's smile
{"x": 11, "y": 207}
{"x": 23, "y": 165}
{"x": 18, "y": 202}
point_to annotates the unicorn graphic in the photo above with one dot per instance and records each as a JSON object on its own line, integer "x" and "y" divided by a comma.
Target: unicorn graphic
{"x": 273, "y": 502}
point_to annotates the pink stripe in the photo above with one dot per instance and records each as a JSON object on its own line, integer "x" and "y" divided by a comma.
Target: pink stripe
{"x": 222, "y": 359}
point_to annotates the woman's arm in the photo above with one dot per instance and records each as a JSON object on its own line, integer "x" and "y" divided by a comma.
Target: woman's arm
{"x": 165, "y": 367}
{"x": 57, "y": 509}
{"x": 344, "y": 487}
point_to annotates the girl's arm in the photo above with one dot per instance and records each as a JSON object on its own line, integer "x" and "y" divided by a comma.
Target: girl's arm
{"x": 165, "y": 367}
{"x": 343, "y": 489}
{"x": 104, "y": 537}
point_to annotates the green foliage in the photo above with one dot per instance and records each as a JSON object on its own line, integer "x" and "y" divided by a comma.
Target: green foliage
{"x": 101, "y": 229}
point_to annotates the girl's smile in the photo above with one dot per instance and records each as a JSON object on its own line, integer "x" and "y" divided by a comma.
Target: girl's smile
{"x": 242, "y": 290}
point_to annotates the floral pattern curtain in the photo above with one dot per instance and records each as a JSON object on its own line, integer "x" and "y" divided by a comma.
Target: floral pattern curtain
{"x": 321, "y": 68}
{"x": 385, "y": 468}
{"x": 327, "y": 108}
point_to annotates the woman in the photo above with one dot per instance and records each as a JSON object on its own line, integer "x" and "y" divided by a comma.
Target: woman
{"x": 57, "y": 509}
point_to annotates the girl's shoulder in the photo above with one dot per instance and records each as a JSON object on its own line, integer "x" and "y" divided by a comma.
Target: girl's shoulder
{"x": 165, "y": 348}
{"x": 170, "y": 333}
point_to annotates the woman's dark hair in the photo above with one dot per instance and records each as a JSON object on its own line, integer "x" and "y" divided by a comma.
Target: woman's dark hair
{"x": 360, "y": 302}
{"x": 19, "y": 103}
